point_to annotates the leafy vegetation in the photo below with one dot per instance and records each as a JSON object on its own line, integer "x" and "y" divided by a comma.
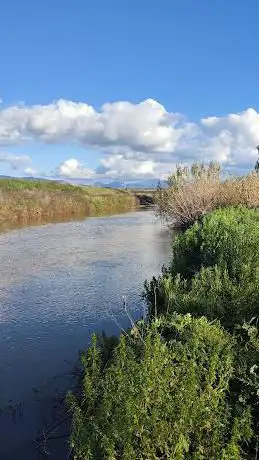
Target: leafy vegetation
{"x": 184, "y": 382}
{"x": 161, "y": 398}
{"x": 39, "y": 200}
{"x": 215, "y": 269}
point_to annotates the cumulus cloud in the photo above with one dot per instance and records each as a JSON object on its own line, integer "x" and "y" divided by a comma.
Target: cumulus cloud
{"x": 141, "y": 138}
{"x": 30, "y": 171}
{"x": 73, "y": 169}
{"x": 145, "y": 126}
{"x": 15, "y": 161}
{"x": 120, "y": 167}
{"x": 114, "y": 167}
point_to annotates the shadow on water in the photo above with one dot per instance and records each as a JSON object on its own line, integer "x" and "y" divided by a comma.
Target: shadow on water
{"x": 59, "y": 284}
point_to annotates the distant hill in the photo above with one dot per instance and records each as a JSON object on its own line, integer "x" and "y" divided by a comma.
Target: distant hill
{"x": 145, "y": 184}
{"x": 115, "y": 184}
{"x": 137, "y": 184}
{"x": 26, "y": 178}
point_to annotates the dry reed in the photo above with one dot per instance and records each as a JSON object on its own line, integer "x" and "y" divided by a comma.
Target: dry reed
{"x": 22, "y": 201}
{"x": 189, "y": 196}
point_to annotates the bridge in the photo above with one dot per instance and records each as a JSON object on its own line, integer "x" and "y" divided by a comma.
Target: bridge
{"x": 145, "y": 197}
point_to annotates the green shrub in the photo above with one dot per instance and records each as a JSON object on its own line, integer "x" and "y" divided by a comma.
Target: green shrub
{"x": 227, "y": 237}
{"x": 246, "y": 381}
{"x": 211, "y": 292}
{"x": 163, "y": 394}
{"x": 215, "y": 270}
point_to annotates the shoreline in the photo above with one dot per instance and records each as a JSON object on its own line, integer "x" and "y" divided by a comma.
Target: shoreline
{"x": 25, "y": 203}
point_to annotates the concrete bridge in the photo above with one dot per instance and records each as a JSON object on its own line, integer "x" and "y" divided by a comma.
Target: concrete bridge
{"x": 145, "y": 197}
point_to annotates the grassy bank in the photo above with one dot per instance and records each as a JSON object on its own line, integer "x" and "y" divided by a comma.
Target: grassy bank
{"x": 36, "y": 200}
{"x": 183, "y": 384}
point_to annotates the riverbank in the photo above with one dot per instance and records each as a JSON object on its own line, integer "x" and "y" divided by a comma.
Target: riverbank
{"x": 33, "y": 201}
{"x": 184, "y": 382}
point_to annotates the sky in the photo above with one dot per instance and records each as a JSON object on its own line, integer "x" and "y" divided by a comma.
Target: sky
{"x": 125, "y": 90}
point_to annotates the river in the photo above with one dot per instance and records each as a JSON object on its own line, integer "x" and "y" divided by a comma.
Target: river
{"x": 58, "y": 284}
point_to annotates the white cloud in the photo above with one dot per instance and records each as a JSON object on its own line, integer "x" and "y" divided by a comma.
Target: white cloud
{"x": 138, "y": 139}
{"x": 30, "y": 171}
{"x": 116, "y": 166}
{"x": 73, "y": 169}
{"x": 15, "y": 161}
{"x": 235, "y": 136}
{"x": 145, "y": 126}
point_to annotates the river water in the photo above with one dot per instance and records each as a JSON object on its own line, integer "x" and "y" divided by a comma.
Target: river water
{"x": 58, "y": 284}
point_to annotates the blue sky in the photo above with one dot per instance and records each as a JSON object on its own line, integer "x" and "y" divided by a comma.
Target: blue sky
{"x": 140, "y": 84}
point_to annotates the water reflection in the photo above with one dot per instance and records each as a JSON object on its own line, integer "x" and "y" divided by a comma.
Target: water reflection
{"x": 58, "y": 284}
{"x": 6, "y": 225}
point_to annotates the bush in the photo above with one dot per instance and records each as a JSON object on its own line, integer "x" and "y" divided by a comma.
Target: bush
{"x": 227, "y": 237}
{"x": 215, "y": 270}
{"x": 198, "y": 190}
{"x": 164, "y": 394}
{"x": 215, "y": 273}
{"x": 211, "y": 292}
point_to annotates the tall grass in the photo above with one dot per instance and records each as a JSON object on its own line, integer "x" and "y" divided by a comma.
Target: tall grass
{"x": 30, "y": 200}
{"x": 196, "y": 190}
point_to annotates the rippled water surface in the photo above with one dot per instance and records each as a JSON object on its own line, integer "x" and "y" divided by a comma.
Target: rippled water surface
{"x": 58, "y": 284}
